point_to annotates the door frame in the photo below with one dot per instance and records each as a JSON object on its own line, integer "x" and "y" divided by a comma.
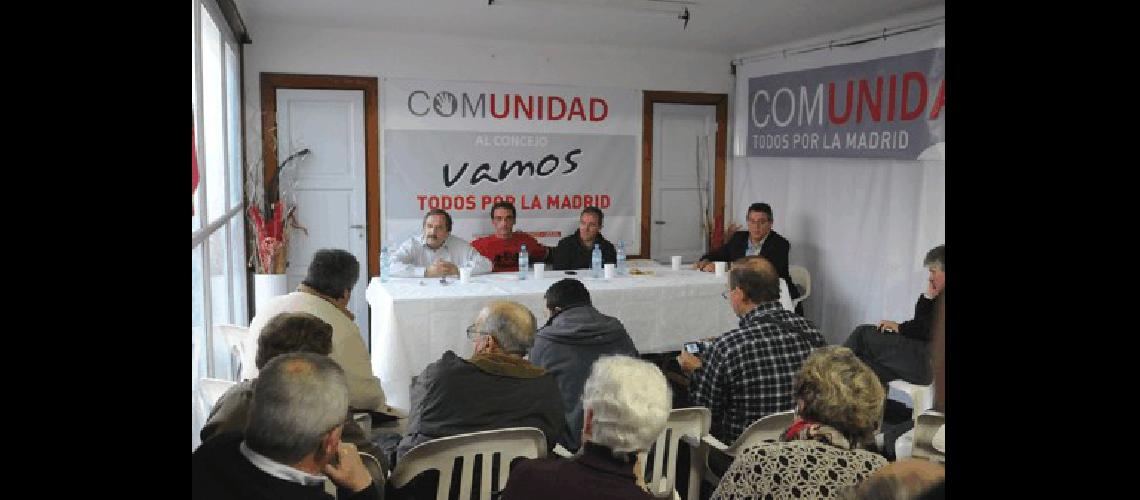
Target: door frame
{"x": 270, "y": 82}
{"x": 651, "y": 97}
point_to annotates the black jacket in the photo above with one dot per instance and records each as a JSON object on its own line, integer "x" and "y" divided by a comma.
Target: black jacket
{"x": 568, "y": 346}
{"x": 775, "y": 249}
{"x": 572, "y": 254}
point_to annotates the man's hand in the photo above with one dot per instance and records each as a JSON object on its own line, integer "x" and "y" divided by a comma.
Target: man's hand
{"x": 731, "y": 230}
{"x": 888, "y": 326}
{"x": 704, "y": 265}
{"x": 349, "y": 471}
{"x": 440, "y": 268}
{"x": 688, "y": 362}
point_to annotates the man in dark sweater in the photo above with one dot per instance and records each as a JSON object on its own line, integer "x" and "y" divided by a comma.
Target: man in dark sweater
{"x": 292, "y": 441}
{"x": 573, "y": 338}
{"x": 576, "y": 251}
{"x": 760, "y": 240}
{"x": 902, "y": 350}
{"x": 494, "y": 389}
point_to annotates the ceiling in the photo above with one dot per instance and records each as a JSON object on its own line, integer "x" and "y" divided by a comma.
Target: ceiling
{"x": 724, "y": 26}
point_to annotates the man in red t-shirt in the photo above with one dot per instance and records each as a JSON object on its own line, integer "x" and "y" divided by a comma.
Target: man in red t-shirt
{"x": 503, "y": 246}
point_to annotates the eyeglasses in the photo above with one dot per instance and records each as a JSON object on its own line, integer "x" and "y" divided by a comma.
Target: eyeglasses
{"x": 473, "y": 334}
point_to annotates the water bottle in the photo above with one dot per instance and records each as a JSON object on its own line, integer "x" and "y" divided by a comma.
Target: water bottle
{"x": 596, "y": 261}
{"x": 620, "y": 258}
{"x": 524, "y": 262}
{"x": 384, "y": 264}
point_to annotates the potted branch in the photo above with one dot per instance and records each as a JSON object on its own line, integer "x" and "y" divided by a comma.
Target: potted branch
{"x": 273, "y": 218}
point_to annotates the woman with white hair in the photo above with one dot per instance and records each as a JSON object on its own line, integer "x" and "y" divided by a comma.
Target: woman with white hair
{"x": 625, "y": 403}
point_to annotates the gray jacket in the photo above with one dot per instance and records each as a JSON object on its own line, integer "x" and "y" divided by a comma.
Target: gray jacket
{"x": 568, "y": 346}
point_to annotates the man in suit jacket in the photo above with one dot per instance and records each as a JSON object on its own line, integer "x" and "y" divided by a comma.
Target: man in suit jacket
{"x": 759, "y": 239}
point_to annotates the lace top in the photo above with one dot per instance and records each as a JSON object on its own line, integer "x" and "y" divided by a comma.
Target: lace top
{"x": 796, "y": 469}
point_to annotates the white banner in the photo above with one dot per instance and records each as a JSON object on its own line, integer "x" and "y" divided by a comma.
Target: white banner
{"x": 550, "y": 150}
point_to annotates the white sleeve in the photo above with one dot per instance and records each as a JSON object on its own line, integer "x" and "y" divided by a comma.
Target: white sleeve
{"x": 479, "y": 263}
{"x": 402, "y": 262}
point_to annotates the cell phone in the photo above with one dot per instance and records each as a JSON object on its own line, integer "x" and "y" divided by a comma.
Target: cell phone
{"x": 694, "y": 348}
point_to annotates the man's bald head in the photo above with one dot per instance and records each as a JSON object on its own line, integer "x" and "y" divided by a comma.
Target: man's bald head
{"x": 511, "y": 324}
{"x": 756, "y": 277}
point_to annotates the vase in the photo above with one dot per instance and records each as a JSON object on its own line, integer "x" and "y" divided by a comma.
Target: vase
{"x": 267, "y": 286}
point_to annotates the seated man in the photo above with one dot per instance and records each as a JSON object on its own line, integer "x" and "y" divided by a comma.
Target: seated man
{"x": 577, "y": 250}
{"x": 436, "y": 252}
{"x": 286, "y": 332}
{"x": 292, "y": 442}
{"x": 759, "y": 239}
{"x": 325, "y": 293}
{"x": 494, "y": 389}
{"x": 573, "y": 338}
{"x": 746, "y": 374}
{"x": 627, "y": 405}
{"x": 902, "y": 351}
{"x": 503, "y": 246}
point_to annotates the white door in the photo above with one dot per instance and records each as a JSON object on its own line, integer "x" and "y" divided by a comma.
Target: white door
{"x": 684, "y": 139}
{"x": 329, "y": 184}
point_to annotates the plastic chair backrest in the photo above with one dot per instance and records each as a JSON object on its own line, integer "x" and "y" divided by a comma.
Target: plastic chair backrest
{"x": 211, "y": 390}
{"x": 242, "y": 348}
{"x": 661, "y": 475}
{"x": 498, "y": 446}
{"x": 765, "y": 430}
{"x": 921, "y": 396}
{"x": 801, "y": 278}
{"x": 926, "y": 427}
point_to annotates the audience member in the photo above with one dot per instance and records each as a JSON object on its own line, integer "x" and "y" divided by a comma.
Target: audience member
{"x": 436, "y": 252}
{"x": 495, "y": 388}
{"x": 292, "y": 443}
{"x": 746, "y": 374}
{"x": 325, "y": 293}
{"x": 573, "y": 338}
{"x": 760, "y": 240}
{"x": 503, "y": 246}
{"x": 907, "y": 479}
{"x": 576, "y": 251}
{"x": 626, "y": 405}
{"x": 286, "y": 332}
{"x": 902, "y": 351}
{"x": 838, "y": 404}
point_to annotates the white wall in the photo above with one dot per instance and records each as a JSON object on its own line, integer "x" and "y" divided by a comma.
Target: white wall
{"x": 302, "y": 49}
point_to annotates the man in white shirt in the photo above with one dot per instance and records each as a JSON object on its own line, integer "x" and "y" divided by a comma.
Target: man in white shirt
{"x": 436, "y": 252}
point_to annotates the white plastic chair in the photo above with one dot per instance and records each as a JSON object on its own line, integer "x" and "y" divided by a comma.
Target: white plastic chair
{"x": 210, "y": 390}
{"x": 921, "y": 396}
{"x": 765, "y": 430}
{"x": 801, "y": 278}
{"x": 930, "y": 437}
{"x": 242, "y": 346}
{"x": 691, "y": 422}
{"x": 439, "y": 454}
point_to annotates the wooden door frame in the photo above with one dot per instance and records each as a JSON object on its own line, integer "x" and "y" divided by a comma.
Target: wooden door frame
{"x": 270, "y": 82}
{"x": 651, "y": 97}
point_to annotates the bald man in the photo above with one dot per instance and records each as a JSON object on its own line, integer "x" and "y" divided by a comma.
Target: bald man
{"x": 495, "y": 388}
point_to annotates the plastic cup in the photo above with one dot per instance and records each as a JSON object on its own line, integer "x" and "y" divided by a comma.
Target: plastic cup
{"x": 539, "y": 269}
{"x": 608, "y": 269}
{"x": 719, "y": 268}
{"x": 465, "y": 275}
{"x": 676, "y": 262}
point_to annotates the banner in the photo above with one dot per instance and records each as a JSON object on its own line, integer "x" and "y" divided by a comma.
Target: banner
{"x": 888, "y": 107}
{"x": 550, "y": 150}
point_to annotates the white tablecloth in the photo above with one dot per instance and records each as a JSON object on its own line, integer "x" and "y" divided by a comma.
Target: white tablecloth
{"x": 414, "y": 320}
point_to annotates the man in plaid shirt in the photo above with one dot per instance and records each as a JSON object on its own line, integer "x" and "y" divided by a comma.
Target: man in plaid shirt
{"x": 746, "y": 373}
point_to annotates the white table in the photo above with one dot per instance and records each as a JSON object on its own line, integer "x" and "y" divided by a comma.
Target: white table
{"x": 414, "y": 320}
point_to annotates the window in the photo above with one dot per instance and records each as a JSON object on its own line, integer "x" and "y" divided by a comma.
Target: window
{"x": 218, "y": 258}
